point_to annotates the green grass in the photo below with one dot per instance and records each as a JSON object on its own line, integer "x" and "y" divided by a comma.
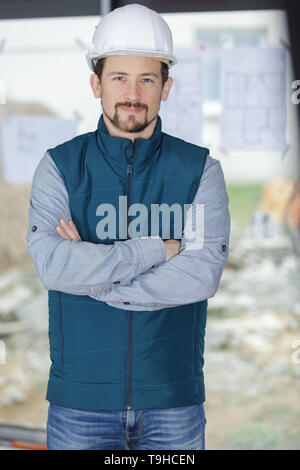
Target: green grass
{"x": 222, "y": 313}
{"x": 243, "y": 200}
{"x": 262, "y": 436}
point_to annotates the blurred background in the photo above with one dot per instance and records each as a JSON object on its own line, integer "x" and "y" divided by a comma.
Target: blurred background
{"x": 235, "y": 92}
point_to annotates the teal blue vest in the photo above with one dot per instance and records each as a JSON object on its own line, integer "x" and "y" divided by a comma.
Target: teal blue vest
{"x": 106, "y": 358}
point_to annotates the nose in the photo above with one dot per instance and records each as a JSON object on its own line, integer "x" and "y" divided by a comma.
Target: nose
{"x": 132, "y": 92}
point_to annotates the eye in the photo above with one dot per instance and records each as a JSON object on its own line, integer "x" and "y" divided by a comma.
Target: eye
{"x": 119, "y": 78}
{"x": 149, "y": 80}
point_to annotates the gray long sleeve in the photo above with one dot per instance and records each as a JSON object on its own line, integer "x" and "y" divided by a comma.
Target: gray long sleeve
{"x": 194, "y": 274}
{"x": 74, "y": 267}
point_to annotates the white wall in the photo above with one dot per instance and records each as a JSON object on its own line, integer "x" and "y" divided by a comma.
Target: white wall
{"x": 42, "y": 61}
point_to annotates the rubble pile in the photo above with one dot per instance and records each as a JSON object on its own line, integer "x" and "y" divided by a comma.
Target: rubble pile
{"x": 23, "y": 331}
{"x": 254, "y": 319}
{"x": 261, "y": 274}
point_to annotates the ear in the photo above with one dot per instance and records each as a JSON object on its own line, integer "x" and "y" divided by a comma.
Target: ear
{"x": 166, "y": 89}
{"x": 95, "y": 85}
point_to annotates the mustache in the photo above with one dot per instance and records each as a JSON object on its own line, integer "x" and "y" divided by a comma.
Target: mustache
{"x": 127, "y": 104}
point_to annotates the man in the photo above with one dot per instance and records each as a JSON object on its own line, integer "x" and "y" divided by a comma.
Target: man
{"x": 128, "y": 296}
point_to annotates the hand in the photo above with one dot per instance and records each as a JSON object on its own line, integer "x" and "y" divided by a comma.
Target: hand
{"x": 172, "y": 248}
{"x": 68, "y": 230}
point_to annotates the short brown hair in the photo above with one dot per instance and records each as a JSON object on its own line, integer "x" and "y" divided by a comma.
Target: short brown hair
{"x": 98, "y": 69}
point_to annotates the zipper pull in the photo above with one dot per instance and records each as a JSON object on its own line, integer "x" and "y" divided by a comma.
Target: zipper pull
{"x": 129, "y": 168}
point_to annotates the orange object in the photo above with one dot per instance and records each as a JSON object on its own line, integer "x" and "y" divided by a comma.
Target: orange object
{"x": 28, "y": 445}
{"x": 281, "y": 198}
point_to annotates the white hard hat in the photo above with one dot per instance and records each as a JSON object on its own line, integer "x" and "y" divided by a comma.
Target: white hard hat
{"x": 132, "y": 30}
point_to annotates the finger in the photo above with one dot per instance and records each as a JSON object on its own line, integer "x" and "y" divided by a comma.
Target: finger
{"x": 68, "y": 229}
{"x": 73, "y": 227}
{"x": 61, "y": 232}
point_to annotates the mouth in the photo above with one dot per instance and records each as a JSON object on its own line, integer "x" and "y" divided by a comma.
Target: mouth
{"x": 131, "y": 109}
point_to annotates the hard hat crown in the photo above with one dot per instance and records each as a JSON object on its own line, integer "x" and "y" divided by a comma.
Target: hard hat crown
{"x": 132, "y": 30}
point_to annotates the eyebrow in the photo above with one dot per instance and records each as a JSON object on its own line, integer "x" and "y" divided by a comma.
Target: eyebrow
{"x": 142, "y": 74}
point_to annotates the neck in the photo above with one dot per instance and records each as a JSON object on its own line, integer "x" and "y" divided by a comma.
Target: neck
{"x": 115, "y": 132}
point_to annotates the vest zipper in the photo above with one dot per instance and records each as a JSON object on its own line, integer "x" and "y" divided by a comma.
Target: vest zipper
{"x": 129, "y": 362}
{"x": 61, "y": 328}
{"x": 195, "y": 331}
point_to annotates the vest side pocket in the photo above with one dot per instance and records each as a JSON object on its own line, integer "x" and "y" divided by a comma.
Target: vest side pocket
{"x": 61, "y": 328}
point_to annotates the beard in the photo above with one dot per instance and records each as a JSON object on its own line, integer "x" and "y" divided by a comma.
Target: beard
{"x": 131, "y": 124}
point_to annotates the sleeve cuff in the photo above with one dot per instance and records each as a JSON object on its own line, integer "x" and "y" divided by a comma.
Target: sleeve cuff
{"x": 151, "y": 250}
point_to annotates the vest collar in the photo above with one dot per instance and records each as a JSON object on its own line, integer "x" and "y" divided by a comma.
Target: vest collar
{"x": 120, "y": 149}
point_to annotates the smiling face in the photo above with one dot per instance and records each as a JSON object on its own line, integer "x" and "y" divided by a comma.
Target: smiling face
{"x": 131, "y": 90}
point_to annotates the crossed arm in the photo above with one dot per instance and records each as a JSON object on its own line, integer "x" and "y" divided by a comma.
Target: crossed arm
{"x": 73, "y": 266}
{"x": 190, "y": 276}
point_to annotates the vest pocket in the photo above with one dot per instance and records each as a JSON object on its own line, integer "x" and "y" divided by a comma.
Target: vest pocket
{"x": 61, "y": 328}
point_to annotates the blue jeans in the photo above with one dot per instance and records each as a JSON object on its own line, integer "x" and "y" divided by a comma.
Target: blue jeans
{"x": 171, "y": 428}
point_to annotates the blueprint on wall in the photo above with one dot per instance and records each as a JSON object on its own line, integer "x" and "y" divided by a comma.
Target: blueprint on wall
{"x": 25, "y": 138}
{"x": 253, "y": 97}
{"x": 181, "y": 114}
